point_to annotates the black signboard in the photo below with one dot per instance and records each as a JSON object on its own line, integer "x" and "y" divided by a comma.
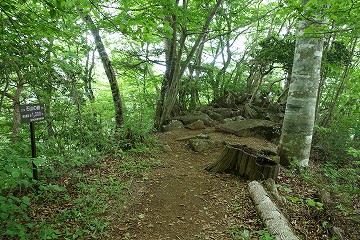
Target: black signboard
{"x": 32, "y": 113}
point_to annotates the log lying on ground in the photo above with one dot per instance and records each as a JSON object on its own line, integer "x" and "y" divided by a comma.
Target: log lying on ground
{"x": 247, "y": 162}
{"x": 273, "y": 219}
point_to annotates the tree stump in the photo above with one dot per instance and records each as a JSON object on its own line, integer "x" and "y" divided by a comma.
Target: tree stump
{"x": 246, "y": 162}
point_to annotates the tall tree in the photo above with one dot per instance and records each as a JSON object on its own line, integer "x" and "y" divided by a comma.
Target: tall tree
{"x": 298, "y": 124}
{"x": 175, "y": 67}
{"x": 109, "y": 70}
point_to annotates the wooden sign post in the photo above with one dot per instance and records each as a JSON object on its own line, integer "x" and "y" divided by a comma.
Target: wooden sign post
{"x": 31, "y": 113}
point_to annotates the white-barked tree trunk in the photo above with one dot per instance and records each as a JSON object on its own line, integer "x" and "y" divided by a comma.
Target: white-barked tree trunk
{"x": 298, "y": 124}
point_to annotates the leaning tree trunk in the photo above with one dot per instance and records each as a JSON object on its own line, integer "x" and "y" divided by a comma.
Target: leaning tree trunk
{"x": 298, "y": 124}
{"x": 246, "y": 162}
{"x": 110, "y": 73}
{"x": 169, "y": 85}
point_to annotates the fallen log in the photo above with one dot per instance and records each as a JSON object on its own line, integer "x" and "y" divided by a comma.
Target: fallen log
{"x": 247, "y": 162}
{"x": 273, "y": 219}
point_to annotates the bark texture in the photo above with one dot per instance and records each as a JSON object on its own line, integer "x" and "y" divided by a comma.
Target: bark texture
{"x": 274, "y": 221}
{"x": 244, "y": 161}
{"x": 16, "y": 103}
{"x": 298, "y": 124}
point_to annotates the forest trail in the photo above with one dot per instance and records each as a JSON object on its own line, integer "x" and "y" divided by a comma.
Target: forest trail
{"x": 180, "y": 200}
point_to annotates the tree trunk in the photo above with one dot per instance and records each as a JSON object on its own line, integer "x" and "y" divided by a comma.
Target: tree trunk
{"x": 176, "y": 69}
{"x": 4, "y": 91}
{"x": 329, "y": 115}
{"x": 16, "y": 103}
{"x": 169, "y": 86}
{"x": 88, "y": 75}
{"x": 49, "y": 91}
{"x": 194, "y": 91}
{"x": 110, "y": 73}
{"x": 298, "y": 124}
{"x": 274, "y": 221}
{"x": 259, "y": 82}
{"x": 247, "y": 162}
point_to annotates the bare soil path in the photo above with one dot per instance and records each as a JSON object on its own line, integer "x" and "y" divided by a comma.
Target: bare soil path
{"x": 180, "y": 200}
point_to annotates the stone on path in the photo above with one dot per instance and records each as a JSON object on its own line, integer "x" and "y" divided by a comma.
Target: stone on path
{"x": 252, "y": 128}
{"x": 198, "y": 124}
{"x": 187, "y": 119}
{"x": 201, "y": 145}
{"x": 174, "y": 125}
{"x": 165, "y": 148}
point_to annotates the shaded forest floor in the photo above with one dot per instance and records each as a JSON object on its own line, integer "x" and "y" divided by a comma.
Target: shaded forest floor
{"x": 167, "y": 194}
{"x": 178, "y": 199}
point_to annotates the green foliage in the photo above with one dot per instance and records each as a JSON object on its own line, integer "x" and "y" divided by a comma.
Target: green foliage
{"x": 342, "y": 180}
{"x": 338, "y": 142}
{"x": 15, "y": 170}
{"x": 45, "y": 56}
{"x": 265, "y": 235}
{"x": 339, "y": 54}
{"x": 312, "y": 203}
{"x": 276, "y": 50}
{"x": 135, "y": 166}
{"x": 14, "y": 217}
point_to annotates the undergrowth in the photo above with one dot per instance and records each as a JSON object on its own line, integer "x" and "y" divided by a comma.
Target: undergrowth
{"x": 81, "y": 190}
{"x": 330, "y": 189}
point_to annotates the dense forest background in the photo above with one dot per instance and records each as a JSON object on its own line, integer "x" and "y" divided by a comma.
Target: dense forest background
{"x": 106, "y": 70}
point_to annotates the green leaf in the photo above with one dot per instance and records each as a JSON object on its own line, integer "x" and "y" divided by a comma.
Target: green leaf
{"x": 10, "y": 232}
{"x": 52, "y": 13}
{"x": 26, "y": 200}
{"x": 168, "y": 31}
{"x": 310, "y": 202}
{"x": 38, "y": 161}
{"x": 294, "y": 199}
{"x": 4, "y": 216}
{"x": 96, "y": 14}
{"x": 15, "y": 173}
{"x": 58, "y": 4}
{"x": 56, "y": 188}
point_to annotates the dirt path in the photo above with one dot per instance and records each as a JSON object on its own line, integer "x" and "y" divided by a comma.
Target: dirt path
{"x": 180, "y": 200}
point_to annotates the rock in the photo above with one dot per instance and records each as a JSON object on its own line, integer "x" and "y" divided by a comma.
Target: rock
{"x": 201, "y": 145}
{"x": 214, "y": 115}
{"x": 233, "y": 119}
{"x": 227, "y": 112}
{"x": 199, "y": 136}
{"x": 196, "y": 125}
{"x": 252, "y": 128}
{"x": 174, "y": 125}
{"x": 187, "y": 119}
{"x": 165, "y": 148}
